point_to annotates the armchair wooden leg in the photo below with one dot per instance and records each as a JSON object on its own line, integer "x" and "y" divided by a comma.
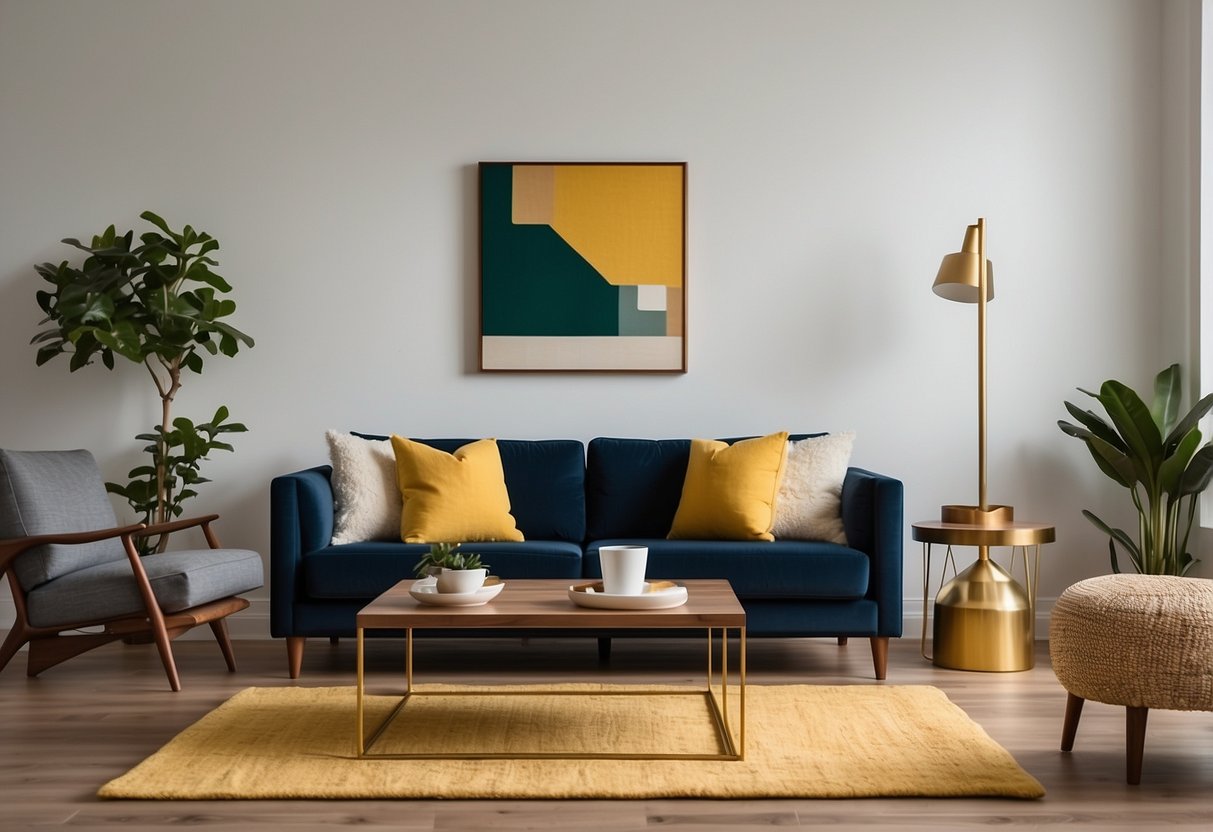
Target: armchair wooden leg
{"x": 880, "y": 656}
{"x": 219, "y": 628}
{"x": 47, "y": 651}
{"x": 165, "y": 647}
{"x": 1135, "y": 742}
{"x": 1069, "y": 727}
{"x": 294, "y": 655}
{"x": 12, "y": 643}
{"x": 842, "y": 641}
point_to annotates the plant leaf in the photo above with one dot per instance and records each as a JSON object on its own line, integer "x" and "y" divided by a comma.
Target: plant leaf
{"x": 1172, "y": 471}
{"x": 1111, "y": 460}
{"x": 1199, "y": 472}
{"x": 1190, "y": 421}
{"x": 1133, "y": 421}
{"x": 1094, "y": 423}
{"x": 1167, "y": 395}
{"x": 1119, "y": 536}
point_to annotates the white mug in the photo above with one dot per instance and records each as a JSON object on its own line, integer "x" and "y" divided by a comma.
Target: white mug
{"x": 623, "y": 569}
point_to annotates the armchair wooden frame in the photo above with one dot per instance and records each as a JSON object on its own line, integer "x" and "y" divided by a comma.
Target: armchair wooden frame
{"x": 48, "y": 646}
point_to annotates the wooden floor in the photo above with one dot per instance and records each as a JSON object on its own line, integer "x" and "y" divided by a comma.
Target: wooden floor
{"x": 64, "y": 734}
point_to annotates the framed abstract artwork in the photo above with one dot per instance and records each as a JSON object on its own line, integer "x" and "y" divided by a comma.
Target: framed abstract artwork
{"x": 583, "y": 267}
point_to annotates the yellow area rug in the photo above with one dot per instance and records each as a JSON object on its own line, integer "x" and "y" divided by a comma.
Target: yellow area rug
{"x": 802, "y": 741}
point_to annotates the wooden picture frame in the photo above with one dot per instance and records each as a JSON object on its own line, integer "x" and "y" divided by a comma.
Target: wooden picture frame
{"x": 583, "y": 267}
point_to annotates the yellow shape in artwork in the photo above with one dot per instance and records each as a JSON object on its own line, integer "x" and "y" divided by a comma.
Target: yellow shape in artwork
{"x": 625, "y": 220}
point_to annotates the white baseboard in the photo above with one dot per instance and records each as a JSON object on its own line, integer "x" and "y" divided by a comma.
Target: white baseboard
{"x": 254, "y": 622}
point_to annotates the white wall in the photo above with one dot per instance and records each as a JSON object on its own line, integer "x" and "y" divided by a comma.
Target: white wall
{"x": 836, "y": 152}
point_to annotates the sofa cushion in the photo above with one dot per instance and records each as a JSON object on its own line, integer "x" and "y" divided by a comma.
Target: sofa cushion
{"x": 365, "y": 570}
{"x": 632, "y": 486}
{"x": 453, "y": 497}
{"x": 180, "y": 580}
{"x": 729, "y": 490}
{"x": 755, "y": 569}
{"x": 366, "y": 497}
{"x": 546, "y": 482}
{"x": 809, "y": 506}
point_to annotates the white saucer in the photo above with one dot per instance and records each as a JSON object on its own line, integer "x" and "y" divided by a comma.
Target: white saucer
{"x": 657, "y": 595}
{"x": 426, "y": 591}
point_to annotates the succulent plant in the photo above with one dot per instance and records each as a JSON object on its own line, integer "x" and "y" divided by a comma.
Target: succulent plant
{"x": 447, "y": 556}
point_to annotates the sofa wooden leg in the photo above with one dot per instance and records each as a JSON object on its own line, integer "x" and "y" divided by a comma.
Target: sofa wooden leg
{"x": 334, "y": 640}
{"x": 1069, "y": 727}
{"x": 294, "y": 655}
{"x": 1135, "y": 742}
{"x": 880, "y": 656}
{"x": 604, "y": 650}
{"x": 842, "y": 641}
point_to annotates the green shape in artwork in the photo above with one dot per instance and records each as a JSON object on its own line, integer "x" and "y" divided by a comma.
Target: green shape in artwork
{"x": 636, "y": 321}
{"x": 532, "y": 281}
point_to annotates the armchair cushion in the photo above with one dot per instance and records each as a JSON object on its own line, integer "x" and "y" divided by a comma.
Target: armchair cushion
{"x": 179, "y": 579}
{"x": 55, "y": 492}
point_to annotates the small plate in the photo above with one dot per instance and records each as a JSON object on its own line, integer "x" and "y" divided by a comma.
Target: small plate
{"x": 426, "y": 591}
{"x": 657, "y": 595}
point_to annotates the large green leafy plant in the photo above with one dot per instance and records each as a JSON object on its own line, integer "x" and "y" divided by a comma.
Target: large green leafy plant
{"x": 1159, "y": 457}
{"x": 158, "y": 304}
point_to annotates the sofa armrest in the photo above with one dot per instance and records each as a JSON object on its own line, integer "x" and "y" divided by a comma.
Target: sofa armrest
{"x": 301, "y": 521}
{"x": 872, "y": 512}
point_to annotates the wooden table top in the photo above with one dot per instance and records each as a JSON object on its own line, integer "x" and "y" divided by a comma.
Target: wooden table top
{"x": 543, "y": 603}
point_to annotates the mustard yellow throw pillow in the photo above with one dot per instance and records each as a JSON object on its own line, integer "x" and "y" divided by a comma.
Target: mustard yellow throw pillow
{"x": 453, "y": 498}
{"x": 729, "y": 491}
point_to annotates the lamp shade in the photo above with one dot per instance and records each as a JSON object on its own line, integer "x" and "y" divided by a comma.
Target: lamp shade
{"x": 959, "y": 276}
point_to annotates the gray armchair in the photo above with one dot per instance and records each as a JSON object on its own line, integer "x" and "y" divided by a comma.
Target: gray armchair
{"x": 71, "y": 566}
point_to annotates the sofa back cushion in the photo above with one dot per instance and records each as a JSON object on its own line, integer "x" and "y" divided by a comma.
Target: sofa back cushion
{"x": 633, "y": 486}
{"x": 545, "y": 480}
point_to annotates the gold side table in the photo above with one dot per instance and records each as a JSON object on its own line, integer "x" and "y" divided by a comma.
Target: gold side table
{"x": 984, "y": 618}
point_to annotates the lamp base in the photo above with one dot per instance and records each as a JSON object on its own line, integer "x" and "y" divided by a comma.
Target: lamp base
{"x": 984, "y": 621}
{"x": 977, "y": 516}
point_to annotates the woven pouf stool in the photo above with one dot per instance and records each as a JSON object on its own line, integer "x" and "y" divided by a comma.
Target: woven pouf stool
{"x": 1142, "y": 641}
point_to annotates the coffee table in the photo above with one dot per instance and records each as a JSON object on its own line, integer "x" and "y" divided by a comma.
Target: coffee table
{"x": 544, "y": 604}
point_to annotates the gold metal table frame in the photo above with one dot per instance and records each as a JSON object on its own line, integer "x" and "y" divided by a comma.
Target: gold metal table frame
{"x": 732, "y": 741}
{"x": 1022, "y": 538}
{"x": 539, "y": 604}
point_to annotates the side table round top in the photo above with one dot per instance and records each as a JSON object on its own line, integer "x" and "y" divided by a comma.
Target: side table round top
{"x": 965, "y": 534}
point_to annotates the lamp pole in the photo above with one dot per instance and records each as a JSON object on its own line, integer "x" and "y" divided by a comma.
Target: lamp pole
{"x": 981, "y": 365}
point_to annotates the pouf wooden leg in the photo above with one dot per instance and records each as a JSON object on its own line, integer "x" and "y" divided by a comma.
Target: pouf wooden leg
{"x": 1069, "y": 728}
{"x": 1135, "y": 742}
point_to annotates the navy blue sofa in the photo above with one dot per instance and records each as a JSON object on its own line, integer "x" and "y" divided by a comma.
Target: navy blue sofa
{"x": 568, "y": 500}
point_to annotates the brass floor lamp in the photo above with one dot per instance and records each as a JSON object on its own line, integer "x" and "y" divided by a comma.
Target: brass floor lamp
{"x": 983, "y": 613}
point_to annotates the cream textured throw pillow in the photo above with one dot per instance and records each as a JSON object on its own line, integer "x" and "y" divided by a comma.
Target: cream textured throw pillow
{"x": 365, "y": 495}
{"x": 809, "y": 506}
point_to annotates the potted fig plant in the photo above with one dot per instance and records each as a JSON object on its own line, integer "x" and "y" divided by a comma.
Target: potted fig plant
{"x": 454, "y": 570}
{"x": 1159, "y": 457}
{"x": 159, "y": 304}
